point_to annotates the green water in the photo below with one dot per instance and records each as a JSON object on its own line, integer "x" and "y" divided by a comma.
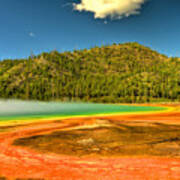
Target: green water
{"x": 23, "y": 110}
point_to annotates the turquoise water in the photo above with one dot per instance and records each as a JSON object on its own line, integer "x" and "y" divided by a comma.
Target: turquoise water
{"x": 17, "y": 110}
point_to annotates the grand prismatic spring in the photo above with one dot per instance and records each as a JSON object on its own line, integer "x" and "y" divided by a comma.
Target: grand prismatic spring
{"x": 52, "y": 140}
{"x": 89, "y": 90}
{"x": 24, "y": 110}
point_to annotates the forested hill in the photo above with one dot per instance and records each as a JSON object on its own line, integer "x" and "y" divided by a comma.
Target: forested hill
{"x": 118, "y": 73}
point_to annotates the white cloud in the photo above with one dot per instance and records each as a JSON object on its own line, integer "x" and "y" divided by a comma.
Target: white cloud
{"x": 112, "y": 8}
{"x": 31, "y": 34}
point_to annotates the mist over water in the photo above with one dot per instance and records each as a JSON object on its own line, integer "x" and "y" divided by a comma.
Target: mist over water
{"x": 20, "y": 109}
{"x": 14, "y": 107}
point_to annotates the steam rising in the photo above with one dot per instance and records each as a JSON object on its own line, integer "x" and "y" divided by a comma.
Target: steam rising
{"x": 15, "y": 107}
{"x": 33, "y": 109}
{"x": 112, "y": 8}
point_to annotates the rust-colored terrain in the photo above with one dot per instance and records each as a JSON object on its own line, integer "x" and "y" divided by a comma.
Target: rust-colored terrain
{"x": 122, "y": 147}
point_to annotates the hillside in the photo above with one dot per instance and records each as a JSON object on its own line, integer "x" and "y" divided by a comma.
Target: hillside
{"x": 118, "y": 73}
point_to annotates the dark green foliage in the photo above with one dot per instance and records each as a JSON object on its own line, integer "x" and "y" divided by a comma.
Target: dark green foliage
{"x": 119, "y": 73}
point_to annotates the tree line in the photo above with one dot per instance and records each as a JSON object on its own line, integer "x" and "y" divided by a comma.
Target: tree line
{"x": 118, "y": 73}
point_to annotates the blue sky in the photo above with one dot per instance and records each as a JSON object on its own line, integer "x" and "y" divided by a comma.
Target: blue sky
{"x": 45, "y": 25}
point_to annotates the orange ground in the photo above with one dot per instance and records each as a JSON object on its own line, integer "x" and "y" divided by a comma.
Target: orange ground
{"x": 18, "y": 162}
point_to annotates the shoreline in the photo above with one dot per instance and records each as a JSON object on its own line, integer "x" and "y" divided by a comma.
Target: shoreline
{"x": 29, "y": 120}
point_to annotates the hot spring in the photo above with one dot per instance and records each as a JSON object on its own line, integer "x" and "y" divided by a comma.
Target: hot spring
{"x": 24, "y": 110}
